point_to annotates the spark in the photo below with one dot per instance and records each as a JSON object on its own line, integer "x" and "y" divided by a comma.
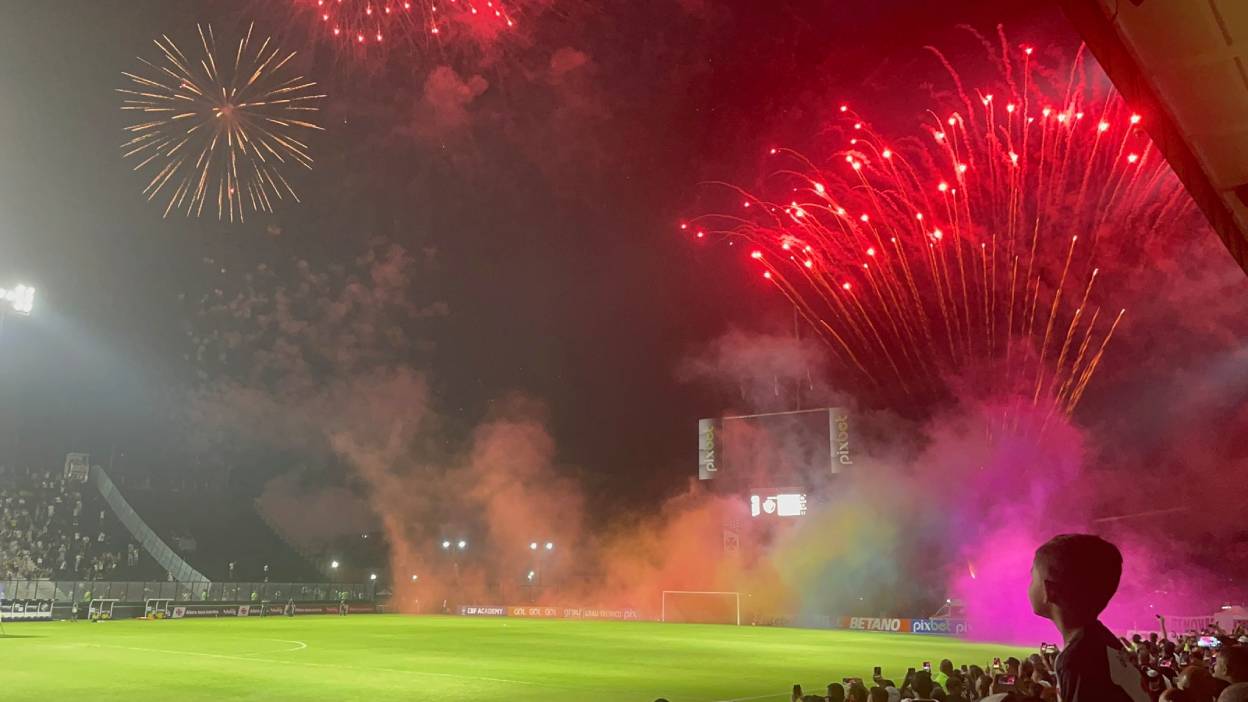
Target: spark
{"x": 999, "y": 277}
{"x": 402, "y": 23}
{"x": 219, "y": 130}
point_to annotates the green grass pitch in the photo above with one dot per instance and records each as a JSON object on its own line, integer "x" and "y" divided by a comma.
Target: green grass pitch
{"x": 394, "y": 657}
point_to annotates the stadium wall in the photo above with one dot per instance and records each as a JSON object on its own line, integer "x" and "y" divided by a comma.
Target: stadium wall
{"x": 198, "y": 611}
{"x": 54, "y": 599}
{"x": 46, "y": 610}
{"x": 534, "y": 612}
{"x": 896, "y": 625}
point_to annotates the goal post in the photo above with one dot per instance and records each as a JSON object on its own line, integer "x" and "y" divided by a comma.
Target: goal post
{"x": 701, "y": 607}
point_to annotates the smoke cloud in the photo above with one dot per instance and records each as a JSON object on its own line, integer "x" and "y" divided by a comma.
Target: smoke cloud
{"x": 951, "y": 503}
{"x": 447, "y": 97}
{"x": 948, "y": 500}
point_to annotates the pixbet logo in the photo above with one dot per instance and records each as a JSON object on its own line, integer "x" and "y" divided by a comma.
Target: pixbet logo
{"x": 937, "y": 626}
{"x": 841, "y": 440}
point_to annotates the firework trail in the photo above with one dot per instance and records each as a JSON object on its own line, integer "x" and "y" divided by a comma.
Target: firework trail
{"x": 972, "y": 250}
{"x": 220, "y": 127}
{"x": 374, "y": 24}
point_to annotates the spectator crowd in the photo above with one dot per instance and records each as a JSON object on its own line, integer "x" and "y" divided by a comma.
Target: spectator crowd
{"x": 1073, "y": 579}
{"x": 56, "y": 527}
{"x": 1208, "y": 666}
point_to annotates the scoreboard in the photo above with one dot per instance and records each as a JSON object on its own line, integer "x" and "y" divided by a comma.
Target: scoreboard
{"x": 750, "y": 454}
{"x": 777, "y": 502}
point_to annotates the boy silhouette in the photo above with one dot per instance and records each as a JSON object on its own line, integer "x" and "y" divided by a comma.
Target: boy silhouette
{"x": 1073, "y": 577}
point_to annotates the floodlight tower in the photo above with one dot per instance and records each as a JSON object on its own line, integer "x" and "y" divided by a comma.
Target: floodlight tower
{"x": 540, "y": 552}
{"x": 19, "y": 301}
{"x": 455, "y": 550}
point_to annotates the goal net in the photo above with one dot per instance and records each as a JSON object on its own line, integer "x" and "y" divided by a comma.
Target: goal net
{"x": 701, "y": 607}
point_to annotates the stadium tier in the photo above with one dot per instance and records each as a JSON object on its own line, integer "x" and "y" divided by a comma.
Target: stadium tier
{"x": 56, "y": 526}
{"x": 75, "y": 526}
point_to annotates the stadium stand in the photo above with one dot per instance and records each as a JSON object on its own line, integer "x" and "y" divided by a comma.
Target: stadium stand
{"x": 57, "y": 527}
{"x": 52, "y": 526}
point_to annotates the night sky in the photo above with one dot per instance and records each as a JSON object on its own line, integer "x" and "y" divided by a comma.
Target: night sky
{"x": 552, "y": 205}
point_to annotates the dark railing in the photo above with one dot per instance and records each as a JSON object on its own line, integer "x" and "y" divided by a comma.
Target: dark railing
{"x": 67, "y": 591}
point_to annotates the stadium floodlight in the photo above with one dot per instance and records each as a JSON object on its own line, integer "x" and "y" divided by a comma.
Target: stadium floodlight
{"x": 462, "y": 544}
{"x": 446, "y": 545}
{"x": 532, "y": 574}
{"x": 415, "y": 578}
{"x": 532, "y": 545}
{"x": 20, "y": 299}
{"x": 549, "y": 545}
{"x": 372, "y": 576}
{"x": 333, "y": 564}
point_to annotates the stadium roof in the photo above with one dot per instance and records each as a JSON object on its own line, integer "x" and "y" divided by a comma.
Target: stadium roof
{"x": 1184, "y": 65}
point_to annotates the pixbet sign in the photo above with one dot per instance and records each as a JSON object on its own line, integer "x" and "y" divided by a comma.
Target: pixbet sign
{"x": 937, "y": 627}
{"x": 943, "y": 627}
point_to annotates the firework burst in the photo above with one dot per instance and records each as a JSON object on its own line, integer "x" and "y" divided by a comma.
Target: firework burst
{"x": 972, "y": 250}
{"x": 373, "y": 24}
{"x": 220, "y": 128}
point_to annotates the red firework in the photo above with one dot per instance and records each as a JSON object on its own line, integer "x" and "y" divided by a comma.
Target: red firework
{"x": 971, "y": 250}
{"x": 374, "y": 24}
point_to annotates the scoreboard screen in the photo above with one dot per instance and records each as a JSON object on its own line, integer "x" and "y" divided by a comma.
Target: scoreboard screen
{"x": 777, "y": 502}
{"x": 806, "y": 448}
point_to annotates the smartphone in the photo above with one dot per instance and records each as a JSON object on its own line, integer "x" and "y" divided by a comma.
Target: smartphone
{"x": 1208, "y": 642}
{"x": 927, "y": 665}
{"x": 996, "y": 664}
{"x": 876, "y": 672}
{"x": 1006, "y": 680}
{"x": 1049, "y": 648}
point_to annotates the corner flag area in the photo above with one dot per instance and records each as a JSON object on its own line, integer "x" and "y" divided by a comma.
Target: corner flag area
{"x": 394, "y": 657}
